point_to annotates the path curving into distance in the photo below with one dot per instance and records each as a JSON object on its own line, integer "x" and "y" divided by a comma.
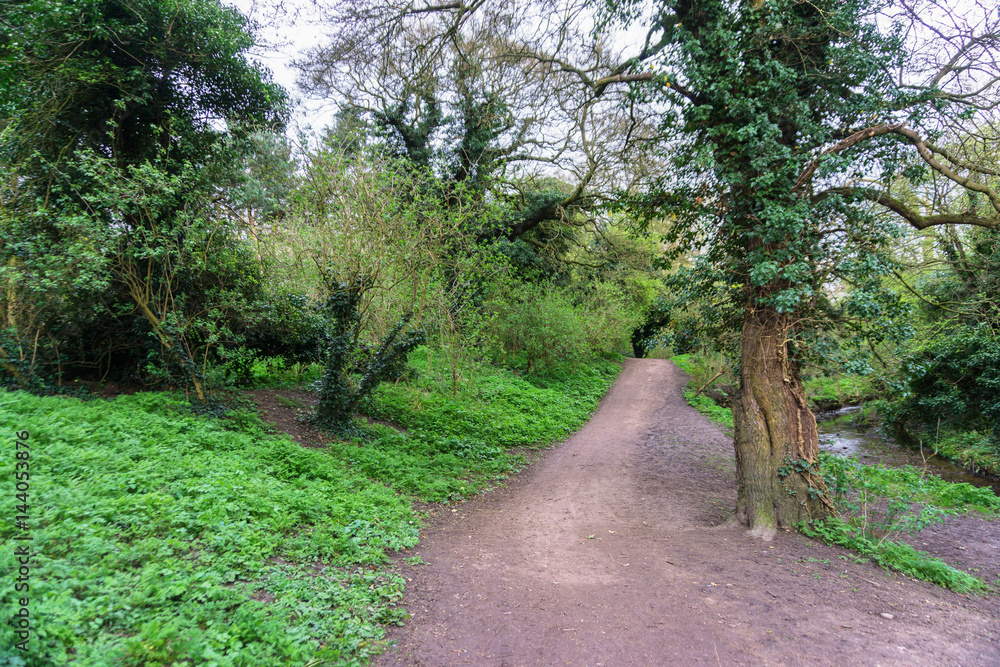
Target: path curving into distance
{"x": 605, "y": 552}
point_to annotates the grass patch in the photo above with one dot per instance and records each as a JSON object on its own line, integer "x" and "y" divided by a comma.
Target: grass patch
{"x": 894, "y": 555}
{"x": 162, "y": 537}
{"x": 878, "y": 505}
{"x": 828, "y": 392}
{"x": 455, "y": 445}
{"x": 701, "y": 371}
{"x": 706, "y": 406}
{"x": 971, "y": 449}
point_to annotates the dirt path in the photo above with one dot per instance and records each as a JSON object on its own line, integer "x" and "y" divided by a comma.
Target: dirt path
{"x": 605, "y": 553}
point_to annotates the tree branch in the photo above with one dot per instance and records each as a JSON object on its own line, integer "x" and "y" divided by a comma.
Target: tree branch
{"x": 911, "y": 216}
{"x": 844, "y": 144}
{"x": 927, "y": 153}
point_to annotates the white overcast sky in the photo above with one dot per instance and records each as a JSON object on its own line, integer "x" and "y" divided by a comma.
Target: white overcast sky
{"x": 286, "y": 38}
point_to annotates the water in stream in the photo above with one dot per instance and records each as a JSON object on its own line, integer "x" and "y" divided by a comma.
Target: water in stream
{"x": 838, "y": 435}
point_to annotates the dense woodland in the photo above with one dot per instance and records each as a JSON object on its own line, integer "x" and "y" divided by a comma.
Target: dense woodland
{"x": 804, "y": 197}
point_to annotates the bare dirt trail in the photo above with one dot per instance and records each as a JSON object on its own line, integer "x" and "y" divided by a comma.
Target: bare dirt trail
{"x": 605, "y": 552}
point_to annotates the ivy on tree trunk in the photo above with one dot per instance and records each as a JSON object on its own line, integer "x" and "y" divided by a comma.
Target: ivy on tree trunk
{"x": 339, "y": 393}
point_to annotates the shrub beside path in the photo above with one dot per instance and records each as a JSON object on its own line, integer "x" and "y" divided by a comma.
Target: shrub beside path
{"x": 606, "y": 552}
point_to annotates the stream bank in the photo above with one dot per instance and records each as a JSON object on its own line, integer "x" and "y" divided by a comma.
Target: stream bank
{"x": 840, "y": 435}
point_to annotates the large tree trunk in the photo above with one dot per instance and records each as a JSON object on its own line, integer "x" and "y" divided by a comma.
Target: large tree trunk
{"x": 775, "y": 432}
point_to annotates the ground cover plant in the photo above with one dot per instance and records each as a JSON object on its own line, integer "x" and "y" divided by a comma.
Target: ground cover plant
{"x": 455, "y": 444}
{"x": 878, "y": 506}
{"x": 696, "y": 367}
{"x": 167, "y": 538}
{"x": 829, "y": 392}
{"x": 163, "y": 537}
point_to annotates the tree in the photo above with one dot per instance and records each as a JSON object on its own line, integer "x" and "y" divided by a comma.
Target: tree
{"x": 488, "y": 96}
{"x": 116, "y": 152}
{"x": 338, "y": 395}
{"x": 789, "y": 120}
{"x": 786, "y": 122}
{"x": 126, "y": 79}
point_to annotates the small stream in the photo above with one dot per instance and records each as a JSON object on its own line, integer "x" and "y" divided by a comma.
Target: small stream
{"x": 838, "y": 435}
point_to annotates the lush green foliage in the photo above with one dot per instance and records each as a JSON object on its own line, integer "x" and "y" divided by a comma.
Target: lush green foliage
{"x": 946, "y": 387}
{"x": 128, "y": 125}
{"x": 456, "y": 443}
{"x": 910, "y": 484}
{"x": 827, "y": 392}
{"x": 166, "y": 538}
{"x": 114, "y": 76}
{"x": 754, "y": 91}
{"x": 544, "y": 324}
{"x": 701, "y": 368}
{"x": 879, "y": 504}
{"x": 956, "y": 378}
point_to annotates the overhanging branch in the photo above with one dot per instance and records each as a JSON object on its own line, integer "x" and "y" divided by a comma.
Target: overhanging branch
{"x": 915, "y": 219}
{"x": 927, "y": 153}
{"x": 844, "y": 144}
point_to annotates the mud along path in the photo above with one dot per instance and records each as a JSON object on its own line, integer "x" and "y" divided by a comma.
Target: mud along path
{"x": 606, "y": 552}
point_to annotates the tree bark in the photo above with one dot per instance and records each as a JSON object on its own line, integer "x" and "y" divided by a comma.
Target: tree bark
{"x": 775, "y": 435}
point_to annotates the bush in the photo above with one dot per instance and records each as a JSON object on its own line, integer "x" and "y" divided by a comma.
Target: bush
{"x": 954, "y": 382}
{"x": 545, "y": 325}
{"x": 338, "y": 393}
{"x": 286, "y": 325}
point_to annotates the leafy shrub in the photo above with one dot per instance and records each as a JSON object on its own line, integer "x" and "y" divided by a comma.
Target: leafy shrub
{"x": 545, "y": 325}
{"x": 540, "y": 324}
{"x": 955, "y": 381}
{"x": 338, "y": 394}
{"x": 285, "y": 325}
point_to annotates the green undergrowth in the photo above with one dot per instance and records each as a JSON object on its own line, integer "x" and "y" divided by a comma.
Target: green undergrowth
{"x": 824, "y": 392}
{"x": 449, "y": 444}
{"x": 163, "y": 537}
{"x": 975, "y": 451}
{"x": 894, "y": 555}
{"x": 696, "y": 368}
{"x": 829, "y": 392}
{"x": 879, "y": 505}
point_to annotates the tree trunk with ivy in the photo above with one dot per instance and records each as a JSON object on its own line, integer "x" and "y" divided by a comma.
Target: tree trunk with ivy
{"x": 775, "y": 433}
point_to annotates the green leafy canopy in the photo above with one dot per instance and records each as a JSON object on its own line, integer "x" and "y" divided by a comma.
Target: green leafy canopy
{"x": 754, "y": 94}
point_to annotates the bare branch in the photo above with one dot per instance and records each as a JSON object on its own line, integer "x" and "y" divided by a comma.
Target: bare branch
{"x": 928, "y": 156}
